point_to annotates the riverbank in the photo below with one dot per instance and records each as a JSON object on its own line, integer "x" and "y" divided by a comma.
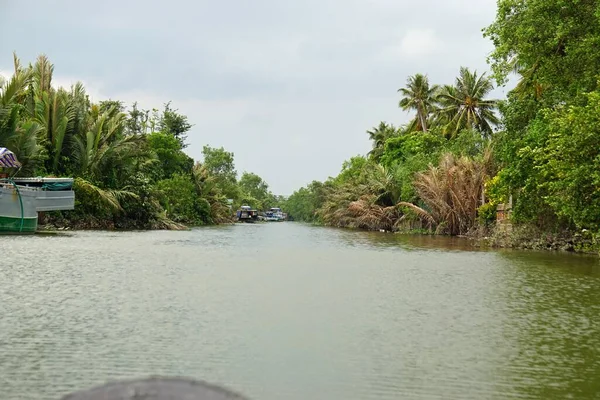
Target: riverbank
{"x": 519, "y": 237}
{"x": 527, "y": 237}
{"x": 522, "y": 237}
{"x": 60, "y": 222}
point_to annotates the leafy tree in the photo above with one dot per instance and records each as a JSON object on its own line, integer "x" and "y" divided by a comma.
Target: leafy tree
{"x": 556, "y": 166}
{"x": 171, "y": 159}
{"x": 351, "y": 171}
{"x": 178, "y": 197}
{"x": 137, "y": 121}
{"x": 552, "y": 43}
{"x": 220, "y": 164}
{"x": 174, "y": 123}
{"x": 547, "y": 145}
{"x": 254, "y": 186}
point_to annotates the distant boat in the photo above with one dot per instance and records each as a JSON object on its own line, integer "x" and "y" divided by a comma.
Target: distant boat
{"x": 22, "y": 198}
{"x": 246, "y": 214}
{"x": 275, "y": 215}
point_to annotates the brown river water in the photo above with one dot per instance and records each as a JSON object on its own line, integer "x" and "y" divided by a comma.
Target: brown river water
{"x": 291, "y": 311}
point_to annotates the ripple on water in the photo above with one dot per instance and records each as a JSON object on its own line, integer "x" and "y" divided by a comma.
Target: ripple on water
{"x": 292, "y": 311}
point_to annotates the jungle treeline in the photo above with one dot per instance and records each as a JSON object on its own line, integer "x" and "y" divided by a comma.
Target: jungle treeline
{"x": 129, "y": 166}
{"x": 464, "y": 153}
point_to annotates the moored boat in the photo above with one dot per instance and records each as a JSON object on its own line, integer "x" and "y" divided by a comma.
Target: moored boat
{"x": 246, "y": 214}
{"x": 22, "y": 198}
{"x": 275, "y": 214}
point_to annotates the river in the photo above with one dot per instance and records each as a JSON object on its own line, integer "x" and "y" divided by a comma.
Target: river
{"x": 291, "y": 311}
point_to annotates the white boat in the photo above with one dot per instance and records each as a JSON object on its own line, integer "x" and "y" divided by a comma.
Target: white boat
{"x": 275, "y": 214}
{"x": 22, "y": 198}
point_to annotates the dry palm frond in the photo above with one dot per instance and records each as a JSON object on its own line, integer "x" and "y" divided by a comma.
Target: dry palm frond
{"x": 452, "y": 192}
{"x": 421, "y": 213}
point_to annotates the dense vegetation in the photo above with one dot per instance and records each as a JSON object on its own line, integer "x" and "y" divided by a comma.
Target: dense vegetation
{"x": 464, "y": 153}
{"x": 129, "y": 166}
{"x": 428, "y": 174}
{"x": 445, "y": 171}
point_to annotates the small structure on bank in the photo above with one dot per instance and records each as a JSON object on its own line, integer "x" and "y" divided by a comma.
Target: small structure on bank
{"x": 503, "y": 213}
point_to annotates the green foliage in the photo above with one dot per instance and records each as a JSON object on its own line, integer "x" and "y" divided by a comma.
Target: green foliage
{"x": 256, "y": 191}
{"x": 175, "y": 124}
{"x": 220, "y": 164}
{"x": 171, "y": 159}
{"x": 399, "y": 149}
{"x": 449, "y": 109}
{"x": 379, "y": 135}
{"x": 351, "y": 171}
{"x": 551, "y": 43}
{"x": 137, "y": 121}
{"x": 304, "y": 203}
{"x": 556, "y": 165}
{"x": 547, "y": 149}
{"x": 464, "y": 105}
{"x": 178, "y": 197}
{"x": 486, "y": 214}
{"x": 420, "y": 96}
{"x": 129, "y": 167}
{"x": 454, "y": 121}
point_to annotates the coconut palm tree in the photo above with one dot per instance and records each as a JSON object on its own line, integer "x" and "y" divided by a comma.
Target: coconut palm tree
{"x": 17, "y": 132}
{"x": 464, "y": 105}
{"x": 420, "y": 96}
{"x": 378, "y": 135}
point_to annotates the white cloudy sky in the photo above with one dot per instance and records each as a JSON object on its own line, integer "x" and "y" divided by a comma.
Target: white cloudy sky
{"x": 290, "y": 86}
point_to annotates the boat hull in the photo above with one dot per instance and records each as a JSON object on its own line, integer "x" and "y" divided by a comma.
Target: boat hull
{"x": 10, "y": 211}
{"x": 19, "y": 209}
{"x": 12, "y": 225}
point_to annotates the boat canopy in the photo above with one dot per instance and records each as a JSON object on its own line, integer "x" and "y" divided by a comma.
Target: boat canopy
{"x": 8, "y": 159}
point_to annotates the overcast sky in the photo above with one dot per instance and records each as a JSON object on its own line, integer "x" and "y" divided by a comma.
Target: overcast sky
{"x": 290, "y": 86}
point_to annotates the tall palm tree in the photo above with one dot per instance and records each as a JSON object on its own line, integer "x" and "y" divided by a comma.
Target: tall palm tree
{"x": 420, "y": 96}
{"x": 464, "y": 105}
{"x": 18, "y": 133}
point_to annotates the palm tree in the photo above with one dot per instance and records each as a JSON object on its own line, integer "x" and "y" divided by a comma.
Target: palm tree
{"x": 379, "y": 135}
{"x": 102, "y": 153}
{"x": 418, "y": 95}
{"x": 464, "y": 105}
{"x": 18, "y": 133}
{"x": 452, "y": 192}
{"x": 209, "y": 193}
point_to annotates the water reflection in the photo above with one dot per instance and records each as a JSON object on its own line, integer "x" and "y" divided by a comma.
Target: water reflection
{"x": 551, "y": 304}
{"x": 357, "y": 238}
{"x": 291, "y": 311}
